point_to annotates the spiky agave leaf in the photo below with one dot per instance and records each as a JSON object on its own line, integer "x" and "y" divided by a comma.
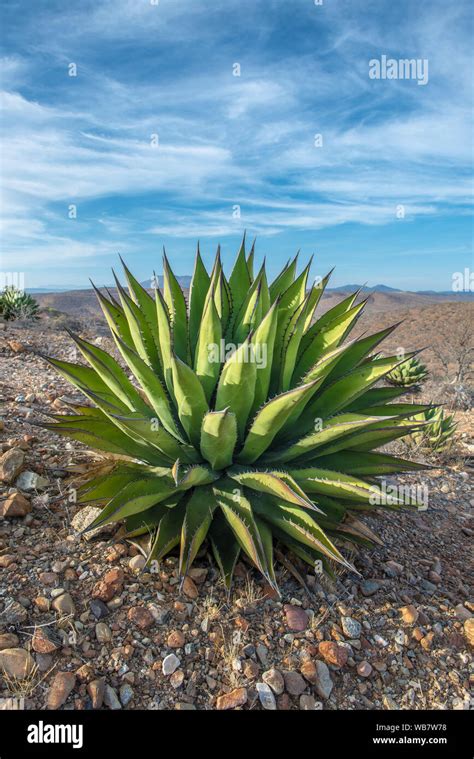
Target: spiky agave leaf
{"x": 409, "y": 374}
{"x": 240, "y": 419}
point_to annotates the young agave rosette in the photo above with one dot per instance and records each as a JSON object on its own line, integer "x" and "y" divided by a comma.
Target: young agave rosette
{"x": 408, "y": 374}
{"x": 438, "y": 431}
{"x": 276, "y": 441}
{"x": 16, "y": 304}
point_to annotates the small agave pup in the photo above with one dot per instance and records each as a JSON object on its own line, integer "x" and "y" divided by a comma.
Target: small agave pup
{"x": 238, "y": 452}
{"x": 409, "y": 374}
{"x": 438, "y": 432}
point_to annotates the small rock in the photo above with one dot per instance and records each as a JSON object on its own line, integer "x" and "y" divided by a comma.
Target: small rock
{"x": 137, "y": 563}
{"x": 11, "y": 463}
{"x": 13, "y": 613}
{"x": 141, "y": 617}
{"x": 237, "y": 697}
{"x": 48, "y": 578}
{"x": 251, "y": 669}
{"x": 8, "y": 640}
{"x": 30, "y": 481}
{"x": 393, "y": 569}
{"x": 198, "y": 574}
{"x": 296, "y": 618}
{"x": 309, "y": 671}
{"x": 159, "y": 614}
{"x": 333, "y": 653}
{"x": 98, "y": 608}
{"x": 409, "y": 614}
{"x": 369, "y": 587}
{"x": 427, "y": 641}
{"x": 294, "y": 683}
{"x": 324, "y": 684}
{"x": 60, "y": 689}
{"x": 189, "y": 587}
{"x": 351, "y": 628}
{"x": 6, "y": 560}
{"x": 64, "y": 605}
{"x": 111, "y": 699}
{"x": 462, "y": 613}
{"x": 110, "y": 585}
{"x": 175, "y": 639}
{"x": 96, "y": 691}
{"x": 308, "y": 703}
{"x": 126, "y": 694}
{"x": 469, "y": 631}
{"x": 16, "y": 662}
{"x": 266, "y": 697}
{"x": 170, "y": 664}
{"x": 85, "y": 517}
{"x": 103, "y": 633}
{"x": 364, "y": 669}
{"x": 274, "y": 679}
{"x": 43, "y": 641}
{"x": 176, "y": 679}
{"x": 16, "y": 505}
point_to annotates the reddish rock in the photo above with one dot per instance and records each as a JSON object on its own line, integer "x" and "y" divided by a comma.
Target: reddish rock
{"x": 16, "y": 505}
{"x": 6, "y": 560}
{"x": 43, "y": 641}
{"x": 333, "y": 653}
{"x": 16, "y": 346}
{"x": 296, "y": 618}
{"x": 11, "y": 463}
{"x": 60, "y": 689}
{"x": 427, "y": 641}
{"x": 409, "y": 614}
{"x": 141, "y": 617}
{"x": 237, "y": 697}
{"x": 175, "y": 639}
{"x": 110, "y": 585}
{"x": 469, "y": 630}
{"x": 189, "y": 587}
{"x": 308, "y": 670}
{"x": 251, "y": 669}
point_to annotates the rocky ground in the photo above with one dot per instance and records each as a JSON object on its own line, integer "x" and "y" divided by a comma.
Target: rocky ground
{"x": 82, "y": 627}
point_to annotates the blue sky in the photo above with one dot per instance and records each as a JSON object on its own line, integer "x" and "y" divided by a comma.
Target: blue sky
{"x": 167, "y": 69}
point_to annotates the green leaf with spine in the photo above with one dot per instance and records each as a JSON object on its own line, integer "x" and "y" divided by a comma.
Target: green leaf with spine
{"x": 274, "y": 438}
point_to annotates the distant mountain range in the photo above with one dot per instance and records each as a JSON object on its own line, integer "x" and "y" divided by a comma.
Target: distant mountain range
{"x": 185, "y": 282}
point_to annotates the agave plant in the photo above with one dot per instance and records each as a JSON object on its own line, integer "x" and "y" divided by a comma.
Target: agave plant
{"x": 437, "y": 433}
{"x": 16, "y": 304}
{"x": 239, "y": 419}
{"x": 408, "y": 374}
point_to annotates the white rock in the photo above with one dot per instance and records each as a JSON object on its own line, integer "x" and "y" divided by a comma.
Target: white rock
{"x": 31, "y": 481}
{"x": 265, "y": 694}
{"x": 170, "y": 664}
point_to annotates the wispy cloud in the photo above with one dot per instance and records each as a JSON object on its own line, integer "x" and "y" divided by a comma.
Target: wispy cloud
{"x": 156, "y": 136}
